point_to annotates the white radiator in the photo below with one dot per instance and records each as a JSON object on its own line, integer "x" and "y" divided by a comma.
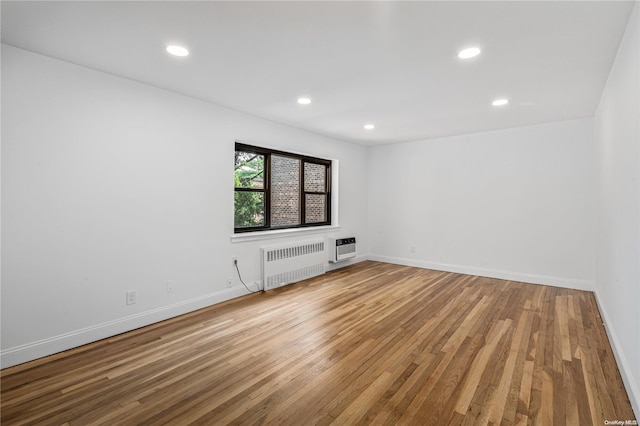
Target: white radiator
{"x": 286, "y": 264}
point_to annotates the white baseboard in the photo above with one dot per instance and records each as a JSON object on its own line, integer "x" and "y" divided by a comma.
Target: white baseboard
{"x": 623, "y": 365}
{"x": 30, "y": 351}
{"x": 52, "y": 345}
{"x": 575, "y": 284}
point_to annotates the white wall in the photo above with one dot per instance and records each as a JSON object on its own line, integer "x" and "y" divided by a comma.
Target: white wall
{"x": 617, "y": 140}
{"x": 109, "y": 185}
{"x": 515, "y": 203}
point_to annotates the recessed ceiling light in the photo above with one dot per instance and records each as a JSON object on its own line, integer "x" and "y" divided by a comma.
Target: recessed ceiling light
{"x": 500, "y": 102}
{"x": 177, "y": 50}
{"x": 369, "y": 126}
{"x": 469, "y": 52}
{"x": 304, "y": 101}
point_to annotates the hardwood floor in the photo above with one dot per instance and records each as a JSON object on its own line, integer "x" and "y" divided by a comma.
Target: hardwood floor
{"x": 373, "y": 343}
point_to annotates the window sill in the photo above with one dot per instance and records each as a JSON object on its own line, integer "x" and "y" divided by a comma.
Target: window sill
{"x": 281, "y": 233}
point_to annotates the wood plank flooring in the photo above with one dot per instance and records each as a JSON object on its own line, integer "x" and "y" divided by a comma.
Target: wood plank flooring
{"x": 373, "y": 343}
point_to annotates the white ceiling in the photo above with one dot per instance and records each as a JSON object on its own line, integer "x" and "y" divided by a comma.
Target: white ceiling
{"x": 390, "y": 63}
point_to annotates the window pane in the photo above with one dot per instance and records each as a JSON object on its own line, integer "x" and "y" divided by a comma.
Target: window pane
{"x": 285, "y": 191}
{"x": 315, "y": 208}
{"x": 314, "y": 177}
{"x": 249, "y": 170}
{"x": 249, "y": 209}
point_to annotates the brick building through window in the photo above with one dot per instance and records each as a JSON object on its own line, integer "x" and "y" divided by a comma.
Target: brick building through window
{"x": 275, "y": 190}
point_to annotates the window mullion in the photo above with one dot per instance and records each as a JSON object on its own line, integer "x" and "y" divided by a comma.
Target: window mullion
{"x": 327, "y": 188}
{"x": 267, "y": 188}
{"x": 301, "y": 193}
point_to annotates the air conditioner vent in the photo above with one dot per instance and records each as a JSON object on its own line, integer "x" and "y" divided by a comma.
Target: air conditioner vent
{"x": 341, "y": 249}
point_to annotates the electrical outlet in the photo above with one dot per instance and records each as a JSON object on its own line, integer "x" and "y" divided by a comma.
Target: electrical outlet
{"x": 229, "y": 283}
{"x": 170, "y": 286}
{"x": 131, "y": 297}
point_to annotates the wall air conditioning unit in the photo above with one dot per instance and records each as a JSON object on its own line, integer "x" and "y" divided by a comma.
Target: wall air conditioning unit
{"x": 341, "y": 249}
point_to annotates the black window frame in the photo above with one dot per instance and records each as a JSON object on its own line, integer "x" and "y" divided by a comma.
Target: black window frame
{"x": 266, "y": 188}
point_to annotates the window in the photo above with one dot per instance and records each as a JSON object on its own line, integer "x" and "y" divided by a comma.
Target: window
{"x": 278, "y": 190}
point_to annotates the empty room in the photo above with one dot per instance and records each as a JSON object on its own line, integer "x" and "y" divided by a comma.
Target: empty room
{"x": 320, "y": 212}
